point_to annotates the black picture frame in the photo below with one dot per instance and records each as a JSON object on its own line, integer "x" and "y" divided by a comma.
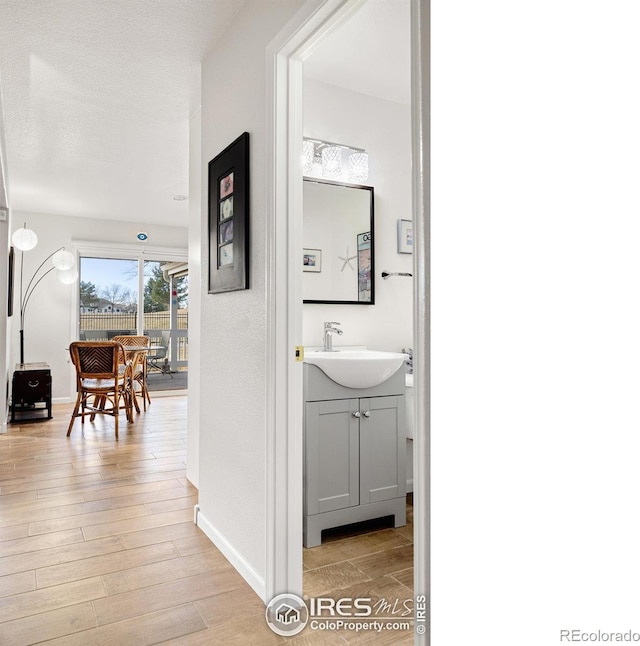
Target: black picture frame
{"x": 10, "y": 273}
{"x": 229, "y": 218}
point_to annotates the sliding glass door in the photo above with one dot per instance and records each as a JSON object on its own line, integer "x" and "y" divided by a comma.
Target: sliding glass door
{"x": 108, "y": 297}
{"x": 110, "y": 305}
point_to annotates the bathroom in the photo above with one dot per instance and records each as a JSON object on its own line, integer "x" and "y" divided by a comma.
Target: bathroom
{"x": 369, "y": 110}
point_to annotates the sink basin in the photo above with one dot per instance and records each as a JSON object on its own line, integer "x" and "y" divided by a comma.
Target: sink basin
{"x": 357, "y": 368}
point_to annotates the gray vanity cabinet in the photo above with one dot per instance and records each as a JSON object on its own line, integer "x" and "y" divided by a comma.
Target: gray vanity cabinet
{"x": 355, "y": 451}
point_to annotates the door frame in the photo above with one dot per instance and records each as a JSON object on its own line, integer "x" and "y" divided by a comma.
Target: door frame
{"x": 283, "y": 399}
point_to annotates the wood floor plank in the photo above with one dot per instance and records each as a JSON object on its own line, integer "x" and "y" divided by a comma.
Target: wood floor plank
{"x": 151, "y": 599}
{"x": 134, "y": 578}
{"x": 17, "y": 583}
{"x": 48, "y": 625}
{"x": 394, "y": 560}
{"x": 38, "y": 601}
{"x": 130, "y": 488}
{"x": 61, "y": 554}
{"x": 332, "y": 577}
{"x": 173, "y": 624}
{"x": 45, "y": 510}
{"x": 104, "y": 564}
{"x": 352, "y": 547}
{"x": 177, "y": 533}
{"x": 86, "y": 520}
{"x": 43, "y": 542}
{"x": 218, "y": 608}
{"x": 10, "y": 531}
{"x": 136, "y": 524}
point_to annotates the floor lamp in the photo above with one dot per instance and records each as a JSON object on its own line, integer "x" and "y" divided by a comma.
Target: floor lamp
{"x": 62, "y": 261}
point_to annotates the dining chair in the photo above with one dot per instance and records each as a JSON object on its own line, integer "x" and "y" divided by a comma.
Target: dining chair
{"x": 99, "y": 375}
{"x": 138, "y": 358}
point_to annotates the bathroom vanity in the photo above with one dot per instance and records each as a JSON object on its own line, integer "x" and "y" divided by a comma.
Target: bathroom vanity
{"x": 355, "y": 452}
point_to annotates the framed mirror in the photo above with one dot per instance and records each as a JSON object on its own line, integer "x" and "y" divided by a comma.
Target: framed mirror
{"x": 338, "y": 243}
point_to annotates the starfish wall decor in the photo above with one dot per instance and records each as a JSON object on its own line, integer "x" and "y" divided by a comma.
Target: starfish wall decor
{"x": 347, "y": 260}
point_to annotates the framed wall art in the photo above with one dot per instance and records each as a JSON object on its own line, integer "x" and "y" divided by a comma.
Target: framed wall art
{"x": 405, "y": 236}
{"x": 312, "y": 260}
{"x": 229, "y": 218}
{"x": 365, "y": 286}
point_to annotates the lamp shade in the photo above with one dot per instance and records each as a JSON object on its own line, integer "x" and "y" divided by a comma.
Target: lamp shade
{"x": 68, "y": 276}
{"x": 24, "y": 239}
{"x": 63, "y": 260}
{"x": 331, "y": 161}
{"x": 308, "y": 152}
{"x": 359, "y": 166}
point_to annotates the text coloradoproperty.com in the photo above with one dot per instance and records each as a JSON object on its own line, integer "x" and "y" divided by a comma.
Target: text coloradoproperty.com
{"x": 599, "y": 636}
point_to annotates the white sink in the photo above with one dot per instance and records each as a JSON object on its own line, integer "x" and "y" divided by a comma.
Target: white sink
{"x": 357, "y": 368}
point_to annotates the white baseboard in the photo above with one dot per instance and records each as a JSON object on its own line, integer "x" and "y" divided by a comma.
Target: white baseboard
{"x": 62, "y": 400}
{"x": 236, "y": 559}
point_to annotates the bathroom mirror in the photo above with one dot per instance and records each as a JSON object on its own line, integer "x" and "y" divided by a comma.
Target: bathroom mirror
{"x": 338, "y": 243}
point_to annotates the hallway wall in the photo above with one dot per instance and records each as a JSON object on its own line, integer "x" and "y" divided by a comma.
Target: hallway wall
{"x": 232, "y": 470}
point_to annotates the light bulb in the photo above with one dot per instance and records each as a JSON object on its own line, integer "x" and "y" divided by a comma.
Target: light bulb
{"x": 24, "y": 239}
{"x": 68, "y": 276}
{"x": 63, "y": 260}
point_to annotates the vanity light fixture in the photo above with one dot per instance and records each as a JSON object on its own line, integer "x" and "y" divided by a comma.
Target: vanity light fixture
{"x": 329, "y": 156}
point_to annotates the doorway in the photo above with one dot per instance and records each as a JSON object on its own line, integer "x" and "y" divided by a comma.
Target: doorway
{"x": 284, "y": 320}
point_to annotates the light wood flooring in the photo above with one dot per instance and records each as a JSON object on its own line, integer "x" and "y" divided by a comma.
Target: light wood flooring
{"x": 98, "y": 545}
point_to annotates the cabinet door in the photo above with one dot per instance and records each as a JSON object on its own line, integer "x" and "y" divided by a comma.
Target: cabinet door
{"x": 382, "y": 449}
{"x": 331, "y": 455}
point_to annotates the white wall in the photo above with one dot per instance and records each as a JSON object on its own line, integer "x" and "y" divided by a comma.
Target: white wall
{"x": 383, "y": 128}
{"x": 233, "y": 381}
{"x": 195, "y": 299}
{"x": 5, "y": 324}
{"x": 50, "y": 316}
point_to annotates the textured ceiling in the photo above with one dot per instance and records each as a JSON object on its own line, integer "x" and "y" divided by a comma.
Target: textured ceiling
{"x": 97, "y": 96}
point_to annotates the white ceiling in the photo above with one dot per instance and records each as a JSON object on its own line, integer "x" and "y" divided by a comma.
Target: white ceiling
{"x": 97, "y": 98}
{"x": 97, "y": 95}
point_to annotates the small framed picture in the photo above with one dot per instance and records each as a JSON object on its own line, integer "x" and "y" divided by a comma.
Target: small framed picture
{"x": 226, "y": 185}
{"x": 226, "y": 209}
{"x": 312, "y": 260}
{"x": 226, "y": 255}
{"x": 405, "y": 236}
{"x": 226, "y": 231}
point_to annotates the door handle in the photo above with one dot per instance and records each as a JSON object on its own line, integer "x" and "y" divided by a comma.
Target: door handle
{"x": 356, "y": 414}
{"x": 366, "y": 413}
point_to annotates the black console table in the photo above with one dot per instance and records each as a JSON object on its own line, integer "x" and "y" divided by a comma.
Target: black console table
{"x": 31, "y": 392}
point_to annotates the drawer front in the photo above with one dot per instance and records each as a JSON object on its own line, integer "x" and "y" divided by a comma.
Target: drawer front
{"x": 31, "y": 386}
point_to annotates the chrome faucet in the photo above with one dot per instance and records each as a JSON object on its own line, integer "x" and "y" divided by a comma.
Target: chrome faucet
{"x": 329, "y": 331}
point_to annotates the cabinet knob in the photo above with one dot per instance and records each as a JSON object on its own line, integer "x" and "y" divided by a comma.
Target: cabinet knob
{"x": 366, "y": 413}
{"x": 356, "y": 414}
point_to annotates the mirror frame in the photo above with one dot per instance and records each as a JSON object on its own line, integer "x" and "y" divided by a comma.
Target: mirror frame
{"x": 373, "y": 241}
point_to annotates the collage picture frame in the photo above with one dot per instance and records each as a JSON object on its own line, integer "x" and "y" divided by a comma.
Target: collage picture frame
{"x": 229, "y": 218}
